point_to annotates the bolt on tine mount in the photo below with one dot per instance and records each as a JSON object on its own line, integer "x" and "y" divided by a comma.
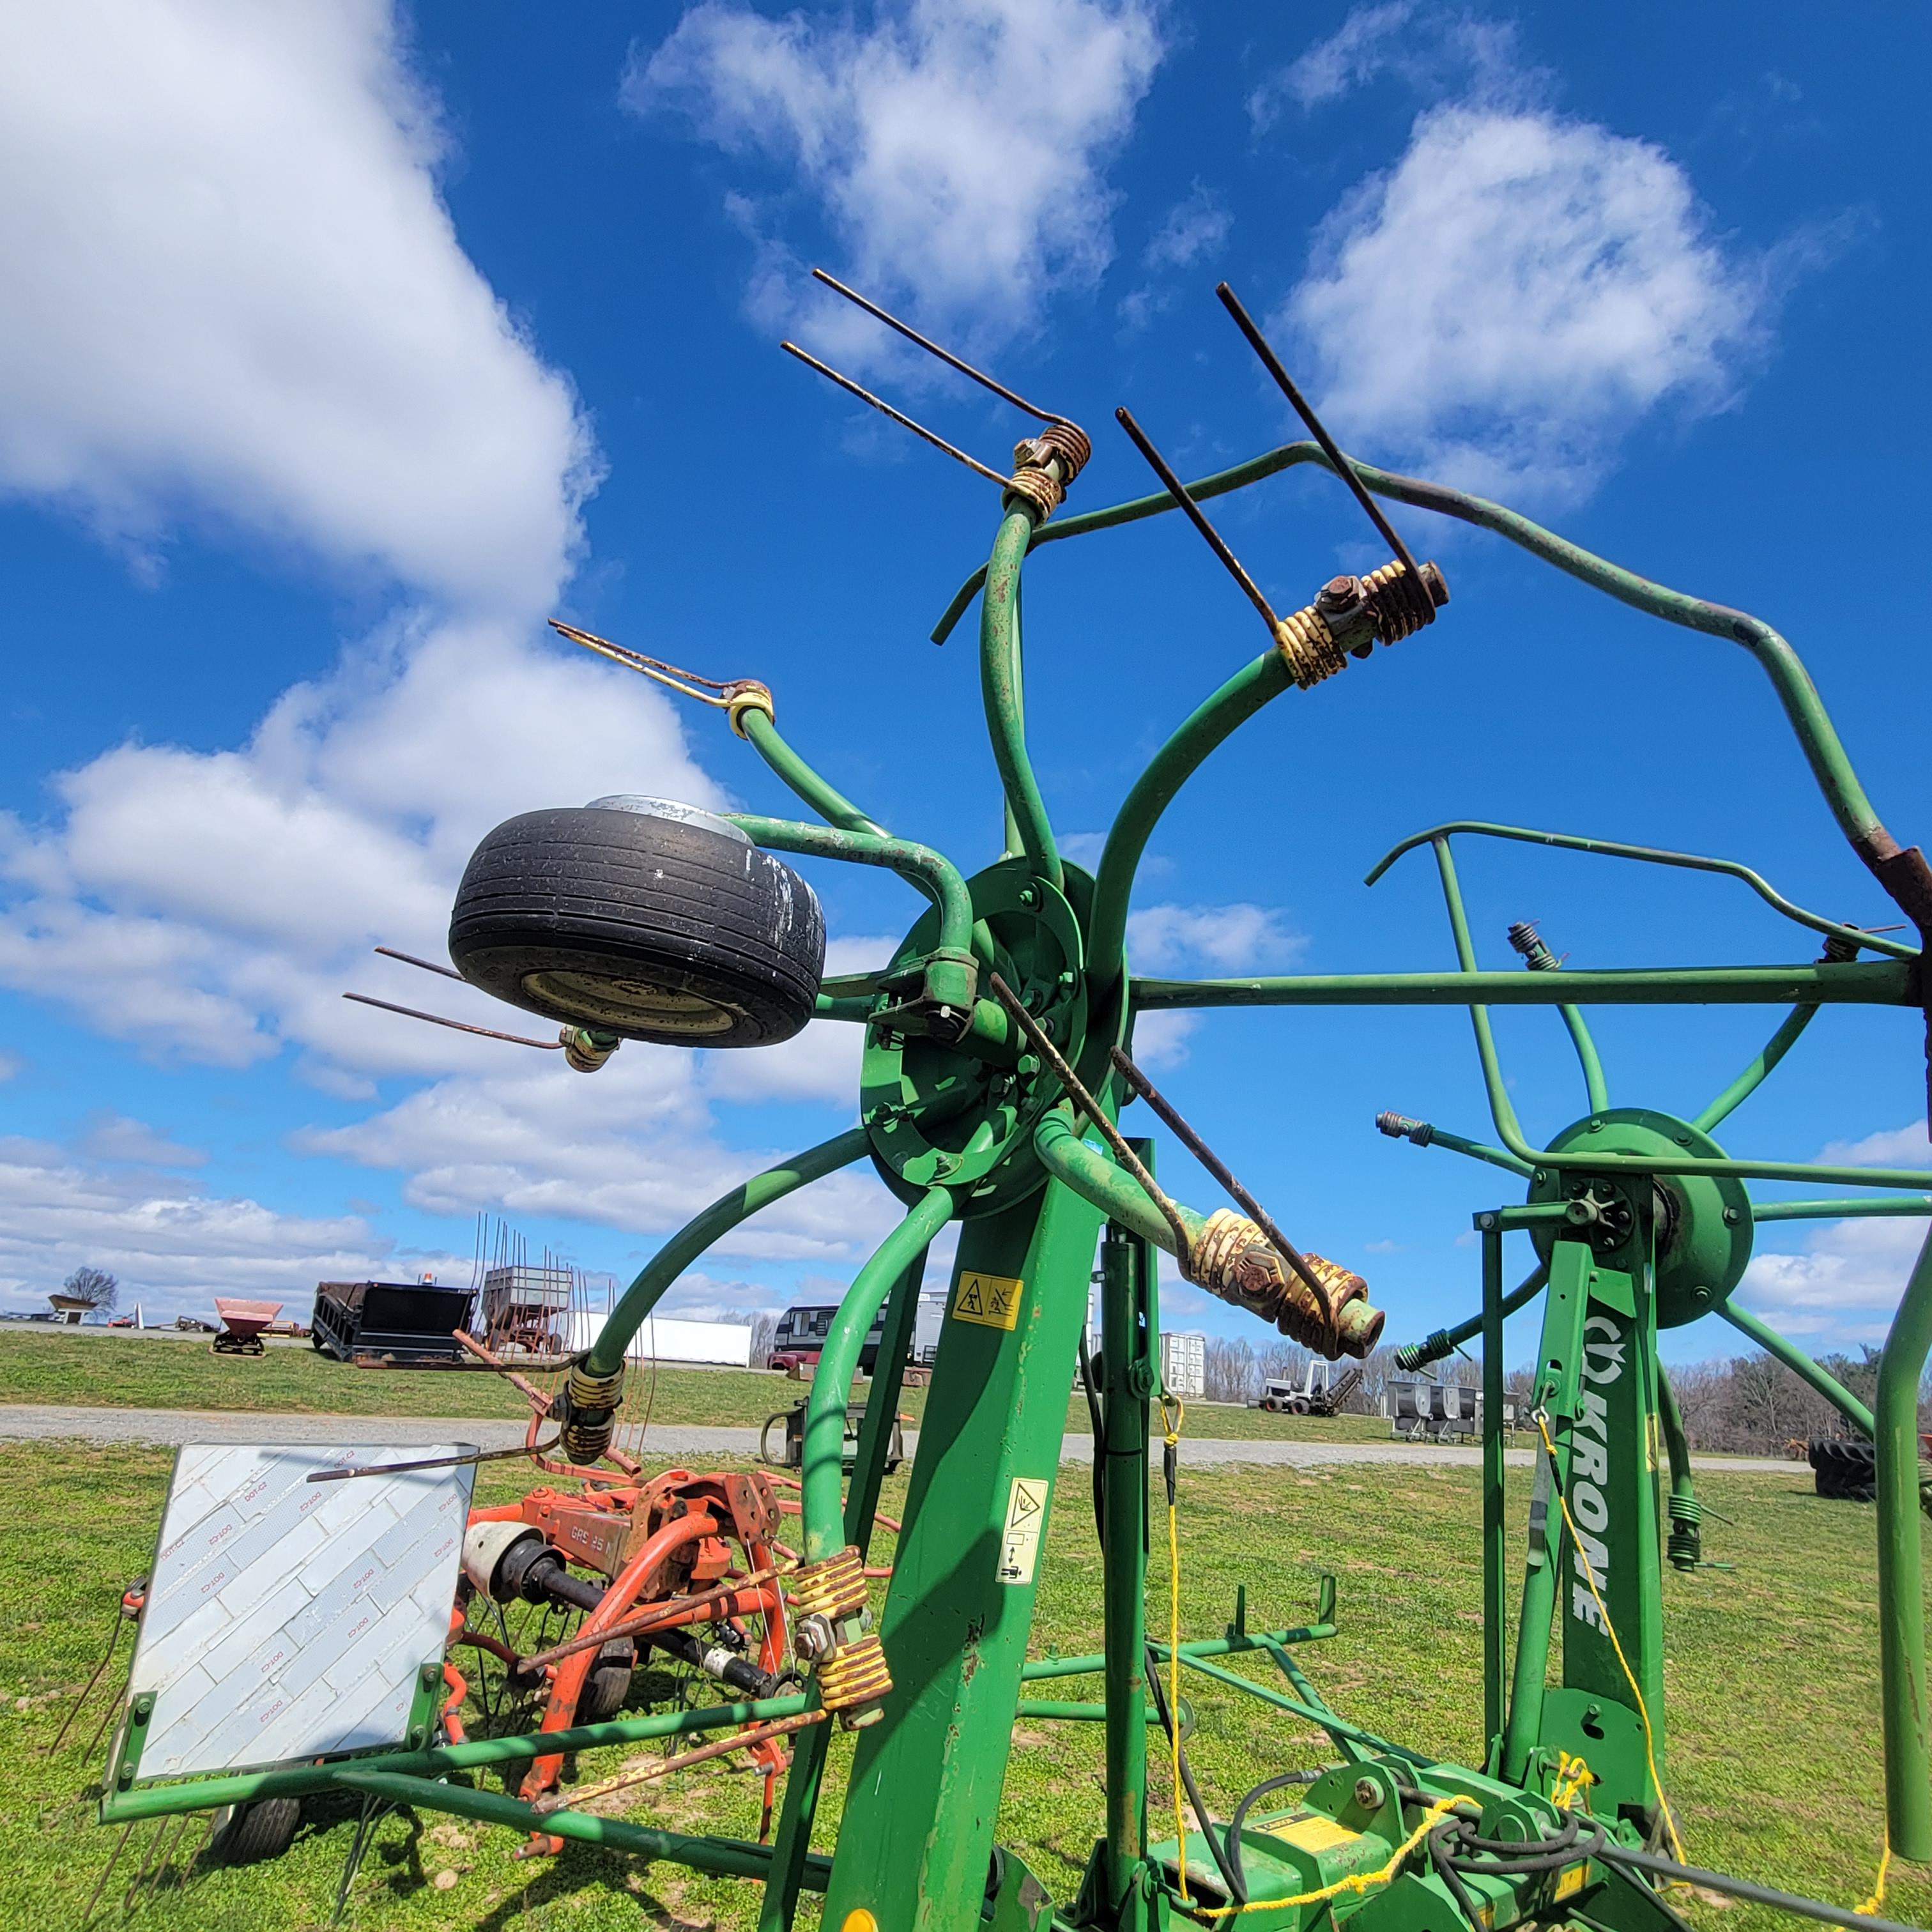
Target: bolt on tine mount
{"x": 1045, "y": 466}
{"x": 1350, "y": 615}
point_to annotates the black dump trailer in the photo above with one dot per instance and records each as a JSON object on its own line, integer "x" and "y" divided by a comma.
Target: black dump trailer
{"x": 391, "y": 1324}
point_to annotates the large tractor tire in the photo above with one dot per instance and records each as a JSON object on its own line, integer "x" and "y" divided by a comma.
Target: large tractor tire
{"x": 659, "y": 923}
{"x": 1844, "y": 1471}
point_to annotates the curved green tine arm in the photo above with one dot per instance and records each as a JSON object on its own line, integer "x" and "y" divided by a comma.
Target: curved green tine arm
{"x": 1596, "y": 1089}
{"x": 1901, "y": 1589}
{"x": 606, "y": 1353}
{"x": 1650, "y": 855}
{"x": 1502, "y": 1110}
{"x": 1854, "y": 1207}
{"x": 821, "y": 1499}
{"x": 934, "y": 873}
{"x": 825, "y": 799}
{"x": 1426, "y": 1133}
{"x": 1753, "y": 1077}
{"x": 1445, "y": 1342}
{"x": 1000, "y": 687}
{"x": 1800, "y": 1364}
{"x": 1237, "y": 700}
{"x": 1904, "y": 878}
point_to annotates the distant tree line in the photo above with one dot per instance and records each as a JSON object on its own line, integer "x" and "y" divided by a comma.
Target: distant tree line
{"x": 1749, "y": 1404}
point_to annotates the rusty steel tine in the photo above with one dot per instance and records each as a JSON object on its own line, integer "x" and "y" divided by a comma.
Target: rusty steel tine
{"x": 106, "y": 1870}
{"x": 945, "y": 355}
{"x": 435, "y": 1461}
{"x": 459, "y": 1026}
{"x": 427, "y": 965}
{"x": 897, "y": 416}
{"x": 1219, "y": 1169}
{"x": 1184, "y": 1248}
{"x": 1344, "y": 469}
{"x": 1158, "y": 464}
{"x": 87, "y": 1689}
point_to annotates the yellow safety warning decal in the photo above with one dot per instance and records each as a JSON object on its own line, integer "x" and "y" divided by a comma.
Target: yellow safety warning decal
{"x": 1569, "y": 1880}
{"x": 1314, "y": 1832}
{"x": 993, "y": 1300}
{"x": 1026, "y": 1516}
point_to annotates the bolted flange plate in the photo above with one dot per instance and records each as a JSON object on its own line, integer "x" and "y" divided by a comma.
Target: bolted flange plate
{"x": 1703, "y": 1221}
{"x": 964, "y": 1116}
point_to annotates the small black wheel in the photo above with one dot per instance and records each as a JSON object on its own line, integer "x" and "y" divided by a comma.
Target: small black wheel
{"x": 257, "y": 1832}
{"x": 1844, "y": 1471}
{"x": 658, "y": 922}
{"x": 607, "y": 1684}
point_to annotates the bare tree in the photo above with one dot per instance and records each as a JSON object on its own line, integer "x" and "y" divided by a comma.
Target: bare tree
{"x": 764, "y": 1329}
{"x": 1229, "y": 1371}
{"x": 95, "y": 1286}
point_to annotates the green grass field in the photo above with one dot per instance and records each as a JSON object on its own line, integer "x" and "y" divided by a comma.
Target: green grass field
{"x": 1772, "y": 1675}
{"x": 129, "y": 1371}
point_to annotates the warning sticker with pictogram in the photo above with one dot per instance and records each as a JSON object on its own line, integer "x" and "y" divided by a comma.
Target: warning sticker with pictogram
{"x": 993, "y": 1300}
{"x": 1026, "y": 1516}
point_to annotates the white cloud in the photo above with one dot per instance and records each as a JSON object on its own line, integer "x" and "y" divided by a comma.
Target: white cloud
{"x": 213, "y": 906}
{"x": 1427, "y": 48}
{"x": 630, "y": 1147}
{"x": 172, "y": 1246}
{"x": 1194, "y": 227}
{"x": 114, "y": 1137}
{"x": 1893, "y": 1147}
{"x": 1160, "y": 1039}
{"x": 955, "y": 147}
{"x": 235, "y": 294}
{"x": 1842, "y": 1287}
{"x": 1225, "y": 938}
{"x": 1504, "y": 303}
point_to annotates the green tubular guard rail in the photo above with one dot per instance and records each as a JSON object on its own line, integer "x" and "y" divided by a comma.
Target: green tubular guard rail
{"x": 826, "y": 800}
{"x": 820, "y": 1498}
{"x": 1651, "y": 855}
{"x": 606, "y": 1355}
{"x": 1877, "y": 982}
{"x": 204, "y": 1794}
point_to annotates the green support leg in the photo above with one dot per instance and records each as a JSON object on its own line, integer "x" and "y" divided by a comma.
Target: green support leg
{"x": 917, "y": 1831}
{"x": 1901, "y": 1588}
{"x": 799, "y": 1808}
{"x": 1495, "y": 1529}
{"x": 1555, "y": 1390}
{"x": 1130, "y": 1349}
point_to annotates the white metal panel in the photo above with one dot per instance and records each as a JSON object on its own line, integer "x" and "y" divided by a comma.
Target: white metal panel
{"x": 287, "y": 1620}
{"x": 722, "y": 1344}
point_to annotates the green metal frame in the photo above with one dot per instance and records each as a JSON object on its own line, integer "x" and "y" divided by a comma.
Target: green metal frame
{"x": 915, "y": 1840}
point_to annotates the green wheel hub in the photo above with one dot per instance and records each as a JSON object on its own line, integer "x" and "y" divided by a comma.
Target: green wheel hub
{"x": 1703, "y": 1221}
{"x": 937, "y": 1115}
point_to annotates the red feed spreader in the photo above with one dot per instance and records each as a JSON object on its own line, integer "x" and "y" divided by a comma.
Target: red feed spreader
{"x": 241, "y": 1324}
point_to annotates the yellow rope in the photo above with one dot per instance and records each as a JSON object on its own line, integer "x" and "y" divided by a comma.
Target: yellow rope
{"x": 1872, "y": 1904}
{"x": 1609, "y": 1630}
{"x": 1572, "y": 1777}
{"x": 1355, "y": 1881}
{"x": 1171, "y": 1421}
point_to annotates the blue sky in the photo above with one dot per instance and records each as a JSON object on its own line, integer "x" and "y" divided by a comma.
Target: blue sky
{"x": 344, "y": 345}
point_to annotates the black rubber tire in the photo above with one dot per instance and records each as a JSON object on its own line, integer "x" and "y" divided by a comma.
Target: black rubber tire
{"x": 1843, "y": 1471}
{"x": 259, "y": 1832}
{"x": 607, "y": 1684}
{"x": 646, "y": 927}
